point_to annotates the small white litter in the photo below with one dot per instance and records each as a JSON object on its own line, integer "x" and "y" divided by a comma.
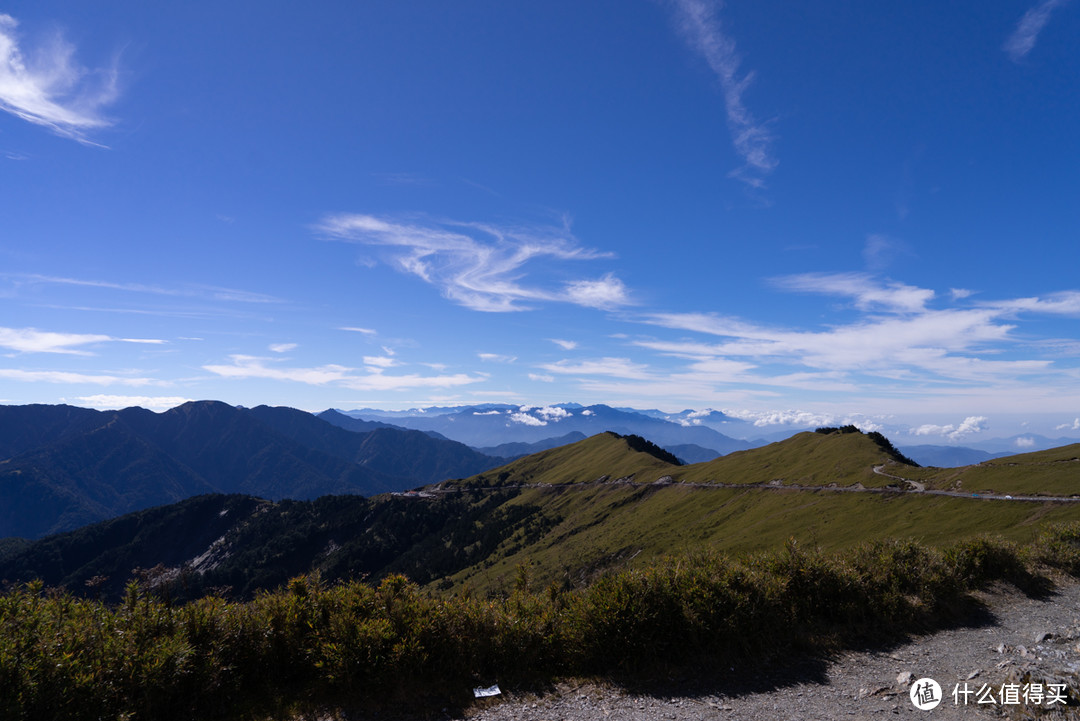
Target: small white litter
{"x": 485, "y": 692}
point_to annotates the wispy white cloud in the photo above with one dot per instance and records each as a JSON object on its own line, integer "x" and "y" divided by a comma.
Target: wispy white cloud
{"x": 152, "y": 402}
{"x": 564, "y": 344}
{"x": 1026, "y": 34}
{"x": 378, "y": 361}
{"x": 880, "y": 250}
{"x": 244, "y": 367}
{"x": 32, "y": 340}
{"x": 364, "y": 331}
{"x": 1074, "y": 426}
{"x": 1065, "y": 303}
{"x": 283, "y": 347}
{"x": 100, "y": 379}
{"x": 205, "y": 292}
{"x": 701, "y": 27}
{"x": 899, "y": 331}
{"x": 873, "y": 343}
{"x": 496, "y": 358}
{"x": 49, "y": 88}
{"x": 904, "y": 342}
{"x": 867, "y": 292}
{"x": 611, "y": 367}
{"x": 481, "y": 266}
{"x": 542, "y": 377}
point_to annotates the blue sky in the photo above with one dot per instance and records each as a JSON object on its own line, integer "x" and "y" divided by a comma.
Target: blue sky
{"x": 806, "y": 212}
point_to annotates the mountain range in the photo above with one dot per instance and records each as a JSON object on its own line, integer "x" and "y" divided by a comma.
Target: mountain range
{"x": 694, "y": 436}
{"x": 63, "y": 467}
{"x": 495, "y": 424}
{"x": 565, "y": 514}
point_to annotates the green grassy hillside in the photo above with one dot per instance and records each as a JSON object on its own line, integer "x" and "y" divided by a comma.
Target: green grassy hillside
{"x": 809, "y": 459}
{"x": 1055, "y": 472}
{"x": 603, "y": 457}
{"x": 597, "y": 528}
{"x": 594, "y": 527}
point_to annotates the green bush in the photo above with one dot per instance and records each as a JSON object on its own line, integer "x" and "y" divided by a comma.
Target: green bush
{"x": 309, "y": 645}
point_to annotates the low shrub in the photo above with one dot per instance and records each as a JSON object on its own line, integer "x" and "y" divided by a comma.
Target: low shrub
{"x": 309, "y": 645}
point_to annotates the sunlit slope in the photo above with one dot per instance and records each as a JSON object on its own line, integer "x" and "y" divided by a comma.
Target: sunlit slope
{"x": 603, "y": 457}
{"x": 1054, "y": 472}
{"x": 597, "y": 527}
{"x": 807, "y": 459}
{"x": 591, "y": 527}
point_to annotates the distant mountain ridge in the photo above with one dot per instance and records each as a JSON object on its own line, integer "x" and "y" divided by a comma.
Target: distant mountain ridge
{"x": 950, "y": 456}
{"x": 63, "y": 467}
{"x": 517, "y": 450}
{"x": 492, "y": 424}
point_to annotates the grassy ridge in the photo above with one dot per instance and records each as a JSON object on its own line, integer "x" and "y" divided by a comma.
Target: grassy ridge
{"x": 307, "y": 646}
{"x": 593, "y": 528}
{"x": 804, "y": 459}
{"x": 1055, "y": 472}
{"x": 603, "y": 456}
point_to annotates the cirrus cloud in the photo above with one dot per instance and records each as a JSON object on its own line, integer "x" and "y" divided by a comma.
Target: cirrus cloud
{"x": 1026, "y": 33}
{"x": 244, "y": 367}
{"x": 699, "y": 23}
{"x": 480, "y": 265}
{"x": 47, "y": 87}
{"x": 74, "y": 378}
{"x": 32, "y": 340}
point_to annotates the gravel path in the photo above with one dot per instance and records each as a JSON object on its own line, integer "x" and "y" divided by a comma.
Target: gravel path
{"x": 1016, "y": 640}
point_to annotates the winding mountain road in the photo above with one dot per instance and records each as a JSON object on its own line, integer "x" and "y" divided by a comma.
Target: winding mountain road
{"x": 916, "y": 488}
{"x": 920, "y": 488}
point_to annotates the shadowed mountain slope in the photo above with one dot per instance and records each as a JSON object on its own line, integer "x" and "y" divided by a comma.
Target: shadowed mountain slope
{"x": 66, "y": 467}
{"x": 513, "y": 451}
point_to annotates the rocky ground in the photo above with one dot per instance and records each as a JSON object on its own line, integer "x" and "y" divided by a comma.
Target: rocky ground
{"x": 1012, "y": 645}
{"x": 1016, "y": 641}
